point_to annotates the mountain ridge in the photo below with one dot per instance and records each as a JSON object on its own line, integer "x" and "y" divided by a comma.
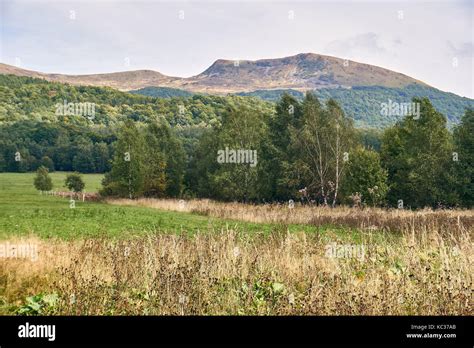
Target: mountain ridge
{"x": 301, "y": 72}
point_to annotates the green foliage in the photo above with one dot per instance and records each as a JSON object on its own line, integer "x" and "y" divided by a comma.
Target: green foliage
{"x": 365, "y": 176}
{"x": 464, "y": 163}
{"x": 74, "y": 182}
{"x": 155, "y": 166}
{"x": 42, "y": 180}
{"x": 273, "y": 94}
{"x": 57, "y": 146}
{"x": 265, "y": 292}
{"x": 282, "y": 184}
{"x": 164, "y": 140}
{"x": 173, "y": 143}
{"x": 201, "y": 166}
{"x": 417, "y": 153}
{"x": 327, "y": 133}
{"x": 362, "y": 104}
{"x": 300, "y": 146}
{"x": 242, "y": 130}
{"x": 47, "y": 162}
{"x": 370, "y": 138}
{"x": 39, "y": 304}
{"x": 127, "y": 176}
{"x": 148, "y": 161}
{"x": 162, "y": 92}
{"x": 24, "y": 212}
{"x": 23, "y": 98}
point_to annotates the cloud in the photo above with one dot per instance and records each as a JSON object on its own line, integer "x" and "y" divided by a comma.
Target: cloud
{"x": 150, "y": 35}
{"x": 367, "y": 43}
{"x": 462, "y": 50}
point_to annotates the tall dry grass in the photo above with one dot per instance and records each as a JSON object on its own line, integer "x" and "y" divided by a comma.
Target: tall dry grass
{"x": 228, "y": 273}
{"x": 445, "y": 222}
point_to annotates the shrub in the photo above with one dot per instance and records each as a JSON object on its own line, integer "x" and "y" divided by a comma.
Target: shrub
{"x": 74, "y": 182}
{"x": 42, "y": 180}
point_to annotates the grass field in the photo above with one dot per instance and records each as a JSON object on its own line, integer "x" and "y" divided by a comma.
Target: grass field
{"x": 25, "y": 212}
{"x": 146, "y": 256}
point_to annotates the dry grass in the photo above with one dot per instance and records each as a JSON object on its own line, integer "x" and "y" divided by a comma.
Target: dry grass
{"x": 228, "y": 273}
{"x": 445, "y": 222}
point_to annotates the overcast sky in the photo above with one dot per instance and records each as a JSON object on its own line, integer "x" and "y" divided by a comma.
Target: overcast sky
{"x": 430, "y": 41}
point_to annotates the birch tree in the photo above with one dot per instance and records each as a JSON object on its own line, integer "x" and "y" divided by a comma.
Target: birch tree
{"x": 324, "y": 141}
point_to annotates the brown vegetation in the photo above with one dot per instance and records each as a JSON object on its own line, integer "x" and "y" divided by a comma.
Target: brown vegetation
{"x": 426, "y": 270}
{"x": 418, "y": 222}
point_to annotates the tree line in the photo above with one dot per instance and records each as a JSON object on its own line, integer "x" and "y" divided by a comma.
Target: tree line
{"x": 304, "y": 151}
{"x": 27, "y": 145}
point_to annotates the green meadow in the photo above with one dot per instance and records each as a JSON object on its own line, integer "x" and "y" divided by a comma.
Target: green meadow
{"x": 25, "y": 212}
{"x": 252, "y": 274}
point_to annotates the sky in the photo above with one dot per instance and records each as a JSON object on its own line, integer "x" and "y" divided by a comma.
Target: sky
{"x": 431, "y": 41}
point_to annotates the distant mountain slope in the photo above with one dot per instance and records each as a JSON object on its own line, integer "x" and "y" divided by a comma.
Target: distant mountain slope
{"x": 24, "y": 99}
{"x": 359, "y": 88}
{"x": 162, "y": 92}
{"x": 363, "y": 103}
{"x": 127, "y": 80}
{"x": 300, "y": 72}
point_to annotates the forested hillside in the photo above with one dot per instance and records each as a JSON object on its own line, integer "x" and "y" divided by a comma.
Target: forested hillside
{"x": 24, "y": 98}
{"x": 363, "y": 103}
{"x": 31, "y": 125}
{"x": 235, "y": 148}
{"x": 162, "y": 92}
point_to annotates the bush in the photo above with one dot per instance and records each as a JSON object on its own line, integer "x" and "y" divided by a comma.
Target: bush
{"x": 42, "y": 180}
{"x": 74, "y": 182}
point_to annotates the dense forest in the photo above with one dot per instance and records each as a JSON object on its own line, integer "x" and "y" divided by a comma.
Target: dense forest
{"x": 236, "y": 148}
{"x": 362, "y": 104}
{"x": 24, "y": 98}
